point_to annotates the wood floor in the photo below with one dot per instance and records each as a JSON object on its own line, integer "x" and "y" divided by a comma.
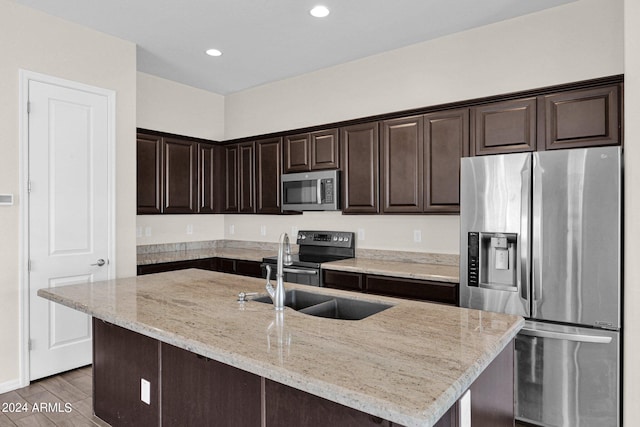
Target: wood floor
{"x": 63, "y": 400}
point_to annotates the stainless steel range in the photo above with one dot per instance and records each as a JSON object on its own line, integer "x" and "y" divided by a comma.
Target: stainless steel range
{"x": 316, "y": 247}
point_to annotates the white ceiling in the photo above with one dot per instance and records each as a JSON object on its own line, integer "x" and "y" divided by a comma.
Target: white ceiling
{"x": 268, "y": 40}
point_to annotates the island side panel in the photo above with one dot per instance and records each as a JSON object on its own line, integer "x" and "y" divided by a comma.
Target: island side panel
{"x": 121, "y": 358}
{"x": 287, "y": 406}
{"x": 492, "y": 393}
{"x": 198, "y": 391}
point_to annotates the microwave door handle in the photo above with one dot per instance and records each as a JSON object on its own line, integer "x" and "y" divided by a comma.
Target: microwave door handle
{"x": 319, "y": 190}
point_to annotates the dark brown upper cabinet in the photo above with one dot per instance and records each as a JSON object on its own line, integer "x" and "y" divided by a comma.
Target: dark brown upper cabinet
{"x": 246, "y": 177}
{"x": 231, "y": 178}
{"x": 180, "y": 176}
{"x": 504, "y": 127}
{"x": 401, "y": 159}
{"x": 149, "y": 174}
{"x": 209, "y": 177}
{"x": 446, "y": 142}
{"x": 582, "y": 118}
{"x": 360, "y": 150}
{"x": 311, "y": 151}
{"x": 240, "y": 178}
{"x": 268, "y": 171}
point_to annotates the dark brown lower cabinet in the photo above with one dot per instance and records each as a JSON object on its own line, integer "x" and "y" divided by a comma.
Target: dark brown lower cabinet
{"x": 423, "y": 290}
{"x": 197, "y": 391}
{"x": 288, "y": 406}
{"x": 192, "y": 390}
{"x": 203, "y": 264}
{"x": 121, "y": 358}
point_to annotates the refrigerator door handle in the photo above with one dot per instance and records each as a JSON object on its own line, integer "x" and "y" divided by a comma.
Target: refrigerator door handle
{"x": 566, "y": 336}
{"x": 536, "y": 247}
{"x": 525, "y": 257}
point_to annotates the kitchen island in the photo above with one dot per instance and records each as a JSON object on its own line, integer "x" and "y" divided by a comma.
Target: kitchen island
{"x": 409, "y": 364}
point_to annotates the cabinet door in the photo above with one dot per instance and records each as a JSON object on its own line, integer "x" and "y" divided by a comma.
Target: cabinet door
{"x": 360, "y": 145}
{"x": 446, "y": 141}
{"x": 246, "y": 178}
{"x": 296, "y": 153}
{"x": 207, "y": 178}
{"x": 504, "y": 127}
{"x": 268, "y": 171}
{"x": 324, "y": 149}
{"x": 582, "y": 118}
{"x": 401, "y": 163}
{"x": 424, "y": 290}
{"x": 248, "y": 268}
{"x": 180, "y": 176}
{"x": 197, "y": 391}
{"x": 231, "y": 178}
{"x": 120, "y": 359}
{"x": 226, "y": 265}
{"x": 149, "y": 174}
{"x": 342, "y": 280}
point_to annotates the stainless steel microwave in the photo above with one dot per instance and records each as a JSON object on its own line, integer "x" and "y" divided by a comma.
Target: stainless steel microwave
{"x": 311, "y": 191}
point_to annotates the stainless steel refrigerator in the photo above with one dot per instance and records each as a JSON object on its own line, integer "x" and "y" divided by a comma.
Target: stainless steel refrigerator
{"x": 540, "y": 237}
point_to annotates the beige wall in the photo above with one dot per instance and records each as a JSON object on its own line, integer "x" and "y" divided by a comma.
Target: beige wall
{"x": 172, "y": 107}
{"x": 631, "y": 385}
{"x": 37, "y": 42}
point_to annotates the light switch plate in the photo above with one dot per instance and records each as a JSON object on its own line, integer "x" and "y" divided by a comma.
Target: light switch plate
{"x": 6, "y": 199}
{"x": 145, "y": 391}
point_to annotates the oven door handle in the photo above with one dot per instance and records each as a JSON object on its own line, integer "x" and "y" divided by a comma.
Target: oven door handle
{"x": 299, "y": 271}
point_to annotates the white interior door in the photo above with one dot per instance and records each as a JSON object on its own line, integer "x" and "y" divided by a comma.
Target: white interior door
{"x": 69, "y": 233}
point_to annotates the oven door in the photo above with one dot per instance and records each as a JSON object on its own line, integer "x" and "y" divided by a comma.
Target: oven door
{"x": 300, "y": 275}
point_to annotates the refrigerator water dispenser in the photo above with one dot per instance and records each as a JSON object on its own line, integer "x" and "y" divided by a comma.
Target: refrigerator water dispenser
{"x": 492, "y": 260}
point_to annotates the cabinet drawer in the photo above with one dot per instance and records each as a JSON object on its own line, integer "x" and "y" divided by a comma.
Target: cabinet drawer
{"x": 226, "y": 265}
{"x": 342, "y": 280}
{"x": 204, "y": 264}
{"x": 248, "y": 268}
{"x": 425, "y": 290}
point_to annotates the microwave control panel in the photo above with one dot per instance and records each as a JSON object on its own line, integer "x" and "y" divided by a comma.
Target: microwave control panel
{"x": 328, "y": 190}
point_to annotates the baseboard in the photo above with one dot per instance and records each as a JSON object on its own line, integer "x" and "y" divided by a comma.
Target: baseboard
{"x": 8, "y": 386}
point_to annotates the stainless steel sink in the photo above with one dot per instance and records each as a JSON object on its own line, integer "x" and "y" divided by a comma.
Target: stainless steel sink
{"x": 328, "y": 306}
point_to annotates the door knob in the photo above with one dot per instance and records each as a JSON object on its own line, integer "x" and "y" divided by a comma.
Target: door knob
{"x": 100, "y": 263}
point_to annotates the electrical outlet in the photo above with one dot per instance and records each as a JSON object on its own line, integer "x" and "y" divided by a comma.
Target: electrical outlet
{"x": 189, "y": 229}
{"x": 417, "y": 236}
{"x": 138, "y": 231}
{"x": 147, "y": 231}
{"x": 145, "y": 391}
{"x": 360, "y": 233}
{"x": 263, "y": 230}
{"x": 232, "y": 229}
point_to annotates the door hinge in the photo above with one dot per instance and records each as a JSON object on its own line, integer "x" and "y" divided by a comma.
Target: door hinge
{"x": 29, "y": 265}
{"x": 28, "y": 186}
{"x": 30, "y": 344}
{"x": 28, "y": 107}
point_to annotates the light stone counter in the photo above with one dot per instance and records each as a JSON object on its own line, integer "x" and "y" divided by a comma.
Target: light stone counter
{"x": 411, "y": 270}
{"x": 247, "y": 254}
{"x": 407, "y": 364}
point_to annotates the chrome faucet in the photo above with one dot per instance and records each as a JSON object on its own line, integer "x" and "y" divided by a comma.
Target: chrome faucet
{"x": 284, "y": 258}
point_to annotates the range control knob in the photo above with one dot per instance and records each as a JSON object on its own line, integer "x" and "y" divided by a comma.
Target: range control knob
{"x": 335, "y": 238}
{"x": 299, "y": 236}
{"x": 346, "y": 239}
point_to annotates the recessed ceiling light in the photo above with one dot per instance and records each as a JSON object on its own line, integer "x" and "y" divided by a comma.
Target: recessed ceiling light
{"x": 319, "y": 11}
{"x": 213, "y": 52}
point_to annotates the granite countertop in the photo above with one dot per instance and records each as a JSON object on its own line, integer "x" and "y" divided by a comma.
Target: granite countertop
{"x": 407, "y": 364}
{"x": 411, "y": 270}
{"x": 247, "y": 254}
